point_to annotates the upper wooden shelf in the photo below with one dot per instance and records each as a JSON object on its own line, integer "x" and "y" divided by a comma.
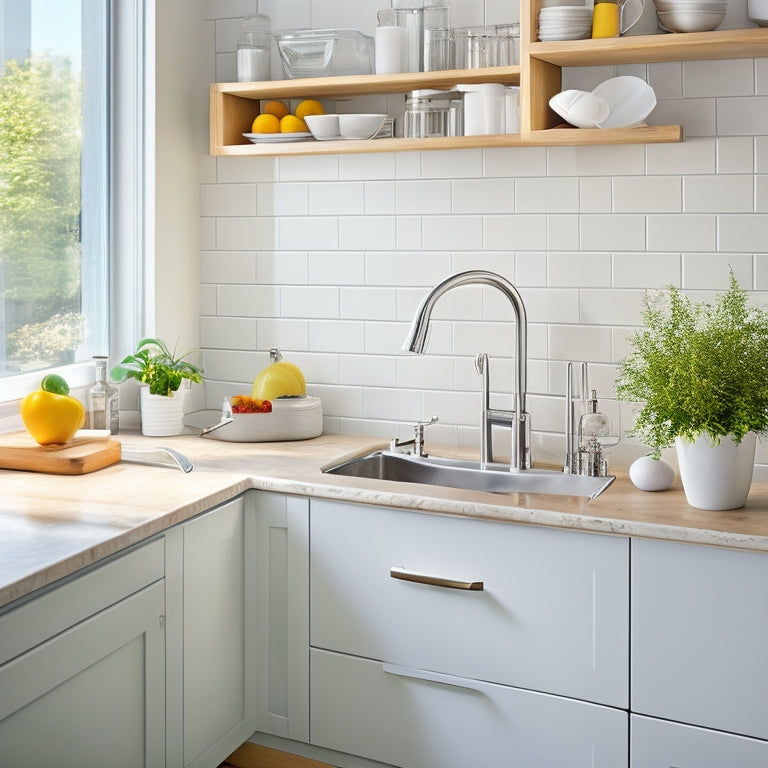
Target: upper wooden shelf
{"x": 652, "y": 49}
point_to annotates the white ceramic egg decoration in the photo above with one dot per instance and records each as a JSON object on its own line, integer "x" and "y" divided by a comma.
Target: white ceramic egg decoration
{"x": 649, "y": 474}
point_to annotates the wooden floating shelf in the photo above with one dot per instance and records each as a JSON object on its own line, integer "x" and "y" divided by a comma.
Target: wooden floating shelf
{"x": 653, "y": 49}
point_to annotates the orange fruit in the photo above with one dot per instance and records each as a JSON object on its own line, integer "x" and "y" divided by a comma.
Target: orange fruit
{"x": 292, "y": 124}
{"x": 309, "y": 107}
{"x": 274, "y": 107}
{"x": 266, "y": 123}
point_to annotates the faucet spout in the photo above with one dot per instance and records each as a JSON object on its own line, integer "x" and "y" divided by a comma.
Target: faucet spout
{"x": 418, "y": 333}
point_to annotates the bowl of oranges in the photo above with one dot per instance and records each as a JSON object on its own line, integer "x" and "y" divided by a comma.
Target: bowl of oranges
{"x": 276, "y": 122}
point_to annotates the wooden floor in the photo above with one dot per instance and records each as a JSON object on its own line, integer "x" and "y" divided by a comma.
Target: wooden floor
{"x": 255, "y": 756}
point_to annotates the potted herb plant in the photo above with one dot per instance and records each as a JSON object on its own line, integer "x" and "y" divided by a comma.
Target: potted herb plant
{"x": 161, "y": 372}
{"x": 701, "y": 372}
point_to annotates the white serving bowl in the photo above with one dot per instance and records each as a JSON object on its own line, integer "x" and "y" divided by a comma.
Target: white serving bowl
{"x": 580, "y": 108}
{"x": 323, "y": 127}
{"x": 364, "y": 126}
{"x": 757, "y": 10}
{"x": 690, "y": 21}
{"x": 630, "y": 100}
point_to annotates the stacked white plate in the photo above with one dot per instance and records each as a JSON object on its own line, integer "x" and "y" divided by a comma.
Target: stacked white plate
{"x": 690, "y": 15}
{"x": 565, "y": 22}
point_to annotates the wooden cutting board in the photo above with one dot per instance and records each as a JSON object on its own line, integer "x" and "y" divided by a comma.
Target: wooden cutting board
{"x": 87, "y": 451}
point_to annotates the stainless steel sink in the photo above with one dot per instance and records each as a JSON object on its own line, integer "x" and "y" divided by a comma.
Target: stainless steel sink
{"x": 402, "y": 468}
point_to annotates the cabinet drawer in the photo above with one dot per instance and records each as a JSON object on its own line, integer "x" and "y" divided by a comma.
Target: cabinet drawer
{"x": 659, "y": 744}
{"x": 699, "y": 623}
{"x": 552, "y": 614}
{"x": 422, "y": 720}
{"x": 40, "y": 618}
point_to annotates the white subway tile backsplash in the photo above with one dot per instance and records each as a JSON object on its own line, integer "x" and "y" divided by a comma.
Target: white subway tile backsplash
{"x": 423, "y": 197}
{"x": 743, "y": 233}
{"x": 283, "y": 333}
{"x": 282, "y": 268}
{"x": 483, "y": 196}
{"x": 615, "y": 232}
{"x": 515, "y": 233}
{"x": 692, "y": 232}
{"x": 328, "y": 256}
{"x": 574, "y": 269}
{"x": 640, "y": 270}
{"x": 742, "y": 116}
{"x": 303, "y": 233}
{"x": 367, "y": 303}
{"x": 455, "y": 233}
{"x": 718, "y": 194}
{"x": 368, "y": 370}
{"x": 309, "y": 301}
{"x": 733, "y": 77}
{"x": 336, "y": 268}
{"x": 735, "y": 154}
{"x": 647, "y": 194}
{"x": 357, "y": 233}
{"x": 712, "y": 270}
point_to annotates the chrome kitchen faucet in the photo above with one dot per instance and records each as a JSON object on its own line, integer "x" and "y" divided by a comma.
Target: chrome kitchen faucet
{"x": 518, "y": 419}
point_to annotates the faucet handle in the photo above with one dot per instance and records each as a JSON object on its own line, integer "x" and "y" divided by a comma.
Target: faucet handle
{"x": 418, "y": 435}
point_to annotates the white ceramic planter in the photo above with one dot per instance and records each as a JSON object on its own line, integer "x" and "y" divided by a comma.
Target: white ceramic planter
{"x": 161, "y": 416}
{"x": 716, "y": 476}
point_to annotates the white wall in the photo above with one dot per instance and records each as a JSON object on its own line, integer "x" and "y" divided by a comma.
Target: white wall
{"x": 327, "y": 257}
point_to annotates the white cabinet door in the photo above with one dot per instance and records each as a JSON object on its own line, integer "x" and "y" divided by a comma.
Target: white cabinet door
{"x": 91, "y": 696}
{"x": 414, "y": 719}
{"x": 661, "y": 744}
{"x": 552, "y": 616}
{"x": 218, "y": 633}
{"x": 282, "y": 609}
{"x": 699, "y": 628}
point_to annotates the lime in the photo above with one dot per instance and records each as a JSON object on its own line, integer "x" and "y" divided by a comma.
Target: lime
{"x": 55, "y": 384}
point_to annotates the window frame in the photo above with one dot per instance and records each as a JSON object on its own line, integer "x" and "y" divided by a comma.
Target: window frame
{"x": 128, "y": 200}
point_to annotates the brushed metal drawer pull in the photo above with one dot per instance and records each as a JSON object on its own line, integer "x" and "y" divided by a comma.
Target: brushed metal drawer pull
{"x": 432, "y": 677}
{"x": 397, "y": 572}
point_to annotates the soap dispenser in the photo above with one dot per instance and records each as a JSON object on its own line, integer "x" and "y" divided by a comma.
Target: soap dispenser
{"x": 592, "y": 425}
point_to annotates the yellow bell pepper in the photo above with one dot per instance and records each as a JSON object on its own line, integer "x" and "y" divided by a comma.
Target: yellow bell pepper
{"x": 50, "y": 418}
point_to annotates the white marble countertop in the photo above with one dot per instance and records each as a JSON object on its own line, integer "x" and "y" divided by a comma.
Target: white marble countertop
{"x": 52, "y": 525}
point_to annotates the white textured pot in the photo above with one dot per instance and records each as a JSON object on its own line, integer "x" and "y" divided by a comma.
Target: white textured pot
{"x": 716, "y": 476}
{"x": 161, "y": 416}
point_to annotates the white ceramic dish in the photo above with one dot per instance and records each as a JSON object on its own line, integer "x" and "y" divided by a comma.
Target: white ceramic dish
{"x": 275, "y": 138}
{"x": 293, "y": 418}
{"x": 360, "y": 126}
{"x": 580, "y": 108}
{"x": 689, "y": 21}
{"x": 323, "y": 127}
{"x": 630, "y": 100}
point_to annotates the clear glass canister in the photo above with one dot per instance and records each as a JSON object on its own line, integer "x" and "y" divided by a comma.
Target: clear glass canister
{"x": 254, "y": 49}
{"x": 430, "y": 113}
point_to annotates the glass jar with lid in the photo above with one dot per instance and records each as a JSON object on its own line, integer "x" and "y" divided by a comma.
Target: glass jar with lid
{"x": 254, "y": 49}
{"x": 430, "y": 113}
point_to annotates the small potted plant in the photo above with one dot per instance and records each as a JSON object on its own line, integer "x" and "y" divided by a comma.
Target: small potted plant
{"x": 161, "y": 373}
{"x": 701, "y": 372}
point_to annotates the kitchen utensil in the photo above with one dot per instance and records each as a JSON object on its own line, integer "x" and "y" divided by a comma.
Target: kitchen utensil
{"x": 86, "y": 452}
{"x": 159, "y": 455}
{"x": 580, "y": 108}
{"x": 292, "y": 418}
{"x": 325, "y": 52}
{"x": 630, "y": 100}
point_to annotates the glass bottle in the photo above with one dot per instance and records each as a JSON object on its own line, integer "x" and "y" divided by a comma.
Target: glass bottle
{"x": 101, "y": 402}
{"x": 254, "y": 49}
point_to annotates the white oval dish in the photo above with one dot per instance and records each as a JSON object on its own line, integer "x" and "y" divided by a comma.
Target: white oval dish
{"x": 580, "y": 108}
{"x": 630, "y": 100}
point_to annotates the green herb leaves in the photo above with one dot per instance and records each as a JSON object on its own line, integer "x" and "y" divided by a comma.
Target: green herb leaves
{"x": 698, "y": 367}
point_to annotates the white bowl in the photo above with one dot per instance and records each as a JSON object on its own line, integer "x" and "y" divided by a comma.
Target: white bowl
{"x": 580, "y": 108}
{"x": 323, "y": 127}
{"x": 360, "y": 126}
{"x": 757, "y": 10}
{"x": 690, "y": 21}
{"x": 630, "y": 100}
